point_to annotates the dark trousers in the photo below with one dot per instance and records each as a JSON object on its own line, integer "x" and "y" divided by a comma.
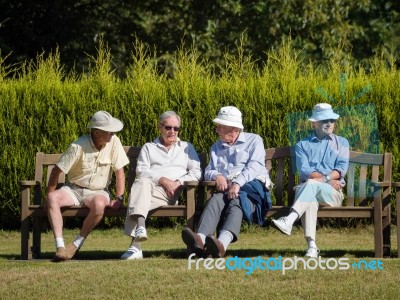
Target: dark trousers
{"x": 220, "y": 210}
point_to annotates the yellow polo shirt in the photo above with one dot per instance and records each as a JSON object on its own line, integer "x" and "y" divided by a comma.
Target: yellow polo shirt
{"x": 90, "y": 168}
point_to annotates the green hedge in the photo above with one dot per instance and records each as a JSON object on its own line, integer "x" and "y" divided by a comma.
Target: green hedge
{"x": 45, "y": 109}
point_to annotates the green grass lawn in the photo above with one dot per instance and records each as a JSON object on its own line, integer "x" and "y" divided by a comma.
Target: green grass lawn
{"x": 98, "y": 273}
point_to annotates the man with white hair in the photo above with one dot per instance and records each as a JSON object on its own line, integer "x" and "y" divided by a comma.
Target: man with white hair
{"x": 237, "y": 159}
{"x": 89, "y": 162}
{"x": 322, "y": 160}
{"x": 163, "y": 167}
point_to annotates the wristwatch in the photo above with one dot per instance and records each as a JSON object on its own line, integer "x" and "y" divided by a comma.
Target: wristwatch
{"x": 327, "y": 178}
{"x": 120, "y": 198}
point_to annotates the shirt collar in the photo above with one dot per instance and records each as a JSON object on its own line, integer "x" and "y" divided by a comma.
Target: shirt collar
{"x": 157, "y": 141}
{"x": 240, "y": 140}
{"x": 315, "y": 138}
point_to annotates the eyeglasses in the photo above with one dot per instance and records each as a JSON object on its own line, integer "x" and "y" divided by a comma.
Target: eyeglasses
{"x": 105, "y": 132}
{"x": 328, "y": 121}
{"x": 168, "y": 128}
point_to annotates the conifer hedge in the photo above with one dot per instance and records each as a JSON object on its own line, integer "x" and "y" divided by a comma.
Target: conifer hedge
{"x": 45, "y": 109}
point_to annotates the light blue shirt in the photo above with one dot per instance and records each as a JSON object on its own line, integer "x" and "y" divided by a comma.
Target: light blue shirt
{"x": 322, "y": 156}
{"x": 241, "y": 162}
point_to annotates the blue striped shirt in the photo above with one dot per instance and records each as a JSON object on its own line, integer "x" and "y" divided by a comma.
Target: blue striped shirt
{"x": 244, "y": 160}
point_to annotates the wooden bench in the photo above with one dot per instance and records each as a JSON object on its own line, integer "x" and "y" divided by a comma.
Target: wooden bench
{"x": 33, "y": 212}
{"x": 367, "y": 191}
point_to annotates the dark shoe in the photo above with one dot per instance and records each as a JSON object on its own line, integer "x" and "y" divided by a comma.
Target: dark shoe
{"x": 214, "y": 247}
{"x": 61, "y": 254}
{"x": 71, "y": 251}
{"x": 193, "y": 242}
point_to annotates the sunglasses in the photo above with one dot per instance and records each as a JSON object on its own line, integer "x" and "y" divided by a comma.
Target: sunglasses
{"x": 328, "y": 121}
{"x": 168, "y": 128}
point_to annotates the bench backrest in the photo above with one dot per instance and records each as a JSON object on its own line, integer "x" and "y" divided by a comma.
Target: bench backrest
{"x": 364, "y": 169}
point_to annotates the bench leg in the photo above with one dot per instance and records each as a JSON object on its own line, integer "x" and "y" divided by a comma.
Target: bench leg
{"x": 386, "y": 232}
{"x": 378, "y": 228}
{"x": 36, "y": 237}
{"x": 190, "y": 207}
{"x": 25, "y": 251}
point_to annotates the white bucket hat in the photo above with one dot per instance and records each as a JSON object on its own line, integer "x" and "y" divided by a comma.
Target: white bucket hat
{"x": 104, "y": 121}
{"x": 229, "y": 116}
{"x": 323, "y": 111}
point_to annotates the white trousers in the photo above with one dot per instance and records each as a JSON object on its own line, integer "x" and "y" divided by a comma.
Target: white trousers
{"x": 309, "y": 196}
{"x": 144, "y": 196}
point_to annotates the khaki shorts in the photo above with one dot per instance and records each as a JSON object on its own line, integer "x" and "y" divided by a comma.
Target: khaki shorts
{"x": 79, "y": 194}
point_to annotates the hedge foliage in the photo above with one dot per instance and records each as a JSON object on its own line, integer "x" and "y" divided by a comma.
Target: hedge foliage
{"x": 44, "y": 108}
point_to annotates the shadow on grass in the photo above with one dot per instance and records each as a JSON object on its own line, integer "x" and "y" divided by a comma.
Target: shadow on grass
{"x": 181, "y": 254}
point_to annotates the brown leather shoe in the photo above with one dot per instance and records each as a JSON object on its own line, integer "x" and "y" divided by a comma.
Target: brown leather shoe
{"x": 193, "y": 242}
{"x": 61, "y": 254}
{"x": 214, "y": 247}
{"x": 70, "y": 251}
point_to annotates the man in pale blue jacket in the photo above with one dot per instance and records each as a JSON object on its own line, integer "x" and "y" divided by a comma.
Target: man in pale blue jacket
{"x": 322, "y": 160}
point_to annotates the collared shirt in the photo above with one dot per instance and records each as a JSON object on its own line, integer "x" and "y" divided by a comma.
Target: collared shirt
{"x": 242, "y": 162}
{"x": 322, "y": 156}
{"x": 180, "y": 162}
{"x": 90, "y": 168}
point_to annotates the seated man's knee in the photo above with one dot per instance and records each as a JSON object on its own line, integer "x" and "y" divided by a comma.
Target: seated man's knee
{"x": 98, "y": 205}
{"x": 141, "y": 182}
{"x": 53, "y": 199}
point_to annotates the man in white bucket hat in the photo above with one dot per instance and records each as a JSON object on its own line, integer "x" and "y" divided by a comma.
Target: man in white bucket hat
{"x": 237, "y": 161}
{"x": 322, "y": 160}
{"x": 89, "y": 162}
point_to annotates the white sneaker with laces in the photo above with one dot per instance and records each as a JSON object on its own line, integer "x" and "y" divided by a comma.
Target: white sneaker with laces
{"x": 283, "y": 225}
{"x": 132, "y": 253}
{"x": 140, "y": 234}
{"x": 312, "y": 252}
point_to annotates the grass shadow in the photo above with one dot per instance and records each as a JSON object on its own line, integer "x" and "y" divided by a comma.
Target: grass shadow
{"x": 177, "y": 253}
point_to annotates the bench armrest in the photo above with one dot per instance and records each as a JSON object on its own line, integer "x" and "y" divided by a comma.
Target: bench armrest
{"x": 208, "y": 183}
{"x": 191, "y": 183}
{"x": 381, "y": 184}
{"x": 28, "y": 183}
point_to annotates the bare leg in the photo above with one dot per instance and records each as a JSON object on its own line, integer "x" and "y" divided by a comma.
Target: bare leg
{"x": 55, "y": 201}
{"x": 96, "y": 206}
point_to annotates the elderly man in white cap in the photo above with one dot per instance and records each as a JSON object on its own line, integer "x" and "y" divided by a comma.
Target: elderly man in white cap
{"x": 89, "y": 162}
{"x": 322, "y": 160}
{"x": 236, "y": 159}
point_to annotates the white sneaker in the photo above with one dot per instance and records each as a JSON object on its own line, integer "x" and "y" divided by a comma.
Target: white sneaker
{"x": 132, "y": 253}
{"x": 140, "y": 234}
{"x": 312, "y": 252}
{"x": 283, "y": 225}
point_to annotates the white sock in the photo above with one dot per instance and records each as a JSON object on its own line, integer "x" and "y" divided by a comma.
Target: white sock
{"x": 311, "y": 243}
{"x": 203, "y": 238}
{"x": 60, "y": 242}
{"x": 225, "y": 237}
{"x": 135, "y": 246}
{"x": 292, "y": 217}
{"x": 78, "y": 242}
